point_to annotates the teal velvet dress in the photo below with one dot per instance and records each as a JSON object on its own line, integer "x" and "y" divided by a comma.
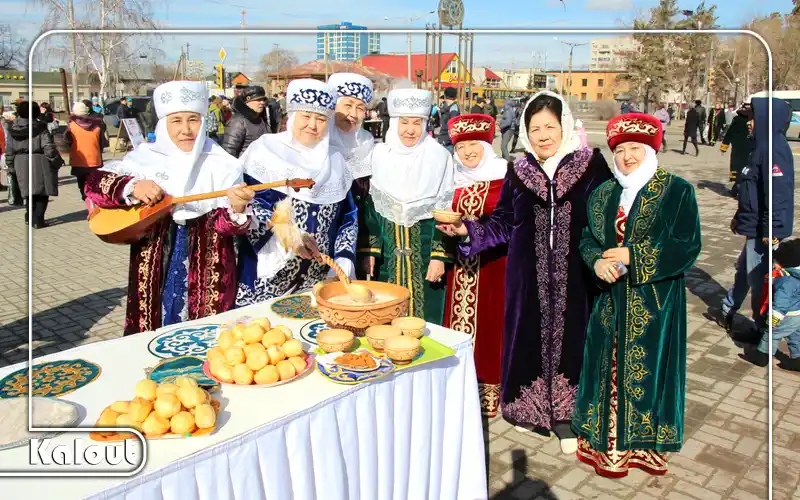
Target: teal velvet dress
{"x": 631, "y": 396}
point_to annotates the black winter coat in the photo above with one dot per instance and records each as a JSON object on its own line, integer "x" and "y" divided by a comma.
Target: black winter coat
{"x": 46, "y": 159}
{"x": 244, "y": 127}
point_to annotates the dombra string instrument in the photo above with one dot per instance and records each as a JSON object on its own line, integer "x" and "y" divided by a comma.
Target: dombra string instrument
{"x": 125, "y": 225}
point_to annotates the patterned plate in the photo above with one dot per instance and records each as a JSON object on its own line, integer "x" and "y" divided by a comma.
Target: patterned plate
{"x": 311, "y": 329}
{"x": 340, "y": 375}
{"x": 295, "y": 307}
{"x": 50, "y": 379}
{"x": 167, "y": 370}
{"x": 330, "y": 360}
{"x": 184, "y": 341}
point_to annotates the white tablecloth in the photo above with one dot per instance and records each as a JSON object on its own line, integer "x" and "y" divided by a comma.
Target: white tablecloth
{"x": 415, "y": 434}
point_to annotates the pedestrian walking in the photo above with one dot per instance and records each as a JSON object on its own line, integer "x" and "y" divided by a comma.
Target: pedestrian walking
{"x": 719, "y": 124}
{"x": 85, "y": 139}
{"x": 274, "y": 115}
{"x": 690, "y": 127}
{"x": 448, "y": 111}
{"x": 44, "y": 160}
{"x": 752, "y": 219}
{"x": 507, "y": 123}
{"x": 479, "y": 107}
{"x": 14, "y": 193}
{"x": 383, "y": 115}
{"x": 491, "y": 108}
{"x": 248, "y": 123}
{"x": 738, "y": 138}
{"x": 701, "y": 119}
{"x": 663, "y": 116}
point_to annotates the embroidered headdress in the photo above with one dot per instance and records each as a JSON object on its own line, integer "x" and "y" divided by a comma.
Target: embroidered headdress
{"x": 310, "y": 95}
{"x": 635, "y": 127}
{"x": 351, "y": 85}
{"x": 472, "y": 127}
{"x": 177, "y": 96}
{"x": 410, "y": 102}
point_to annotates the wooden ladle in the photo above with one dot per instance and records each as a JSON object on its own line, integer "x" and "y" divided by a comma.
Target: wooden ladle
{"x": 359, "y": 293}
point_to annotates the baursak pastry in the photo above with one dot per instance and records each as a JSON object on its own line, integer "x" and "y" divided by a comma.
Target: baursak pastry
{"x": 225, "y": 340}
{"x": 257, "y": 360}
{"x": 267, "y": 375}
{"x": 298, "y": 363}
{"x": 204, "y": 416}
{"x": 215, "y": 353}
{"x": 126, "y": 420}
{"x": 253, "y": 334}
{"x": 121, "y": 406}
{"x": 167, "y": 405}
{"x": 274, "y": 337}
{"x": 293, "y": 347}
{"x": 251, "y": 348}
{"x": 139, "y": 409}
{"x": 234, "y": 355}
{"x": 108, "y": 418}
{"x": 185, "y": 381}
{"x": 166, "y": 389}
{"x": 155, "y": 425}
{"x": 192, "y": 396}
{"x": 182, "y": 422}
{"x": 146, "y": 389}
{"x": 242, "y": 375}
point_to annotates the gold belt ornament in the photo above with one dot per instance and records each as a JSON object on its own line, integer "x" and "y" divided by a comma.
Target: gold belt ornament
{"x": 402, "y": 252}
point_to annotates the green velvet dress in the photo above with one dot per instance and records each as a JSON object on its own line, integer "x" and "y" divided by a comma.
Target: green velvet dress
{"x": 637, "y": 328}
{"x": 402, "y": 255}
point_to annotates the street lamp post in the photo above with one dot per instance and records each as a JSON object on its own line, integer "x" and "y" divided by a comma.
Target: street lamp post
{"x": 646, "y": 94}
{"x": 569, "y": 76}
{"x": 736, "y": 91}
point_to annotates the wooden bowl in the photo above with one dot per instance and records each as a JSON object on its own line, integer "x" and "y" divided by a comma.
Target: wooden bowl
{"x": 358, "y": 317}
{"x": 377, "y": 335}
{"x": 446, "y": 216}
{"x": 410, "y": 325}
{"x": 335, "y": 340}
{"x": 402, "y": 349}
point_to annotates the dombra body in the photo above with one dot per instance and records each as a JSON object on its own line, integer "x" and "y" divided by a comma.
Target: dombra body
{"x": 125, "y": 225}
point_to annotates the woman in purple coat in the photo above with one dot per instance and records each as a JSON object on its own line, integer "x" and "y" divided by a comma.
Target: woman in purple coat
{"x": 549, "y": 290}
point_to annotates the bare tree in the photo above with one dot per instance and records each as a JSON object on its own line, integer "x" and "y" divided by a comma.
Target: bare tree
{"x": 12, "y": 49}
{"x": 104, "y": 53}
{"x": 276, "y": 62}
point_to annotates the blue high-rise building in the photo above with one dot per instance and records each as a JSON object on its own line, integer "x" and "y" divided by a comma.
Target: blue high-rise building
{"x": 347, "y": 44}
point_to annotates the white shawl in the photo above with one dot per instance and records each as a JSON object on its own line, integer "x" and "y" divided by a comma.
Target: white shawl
{"x": 636, "y": 180}
{"x": 570, "y": 139}
{"x": 274, "y": 157}
{"x": 356, "y": 148}
{"x": 204, "y": 169}
{"x": 491, "y": 168}
{"x": 409, "y": 182}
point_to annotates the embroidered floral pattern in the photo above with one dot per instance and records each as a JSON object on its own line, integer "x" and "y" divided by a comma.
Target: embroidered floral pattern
{"x": 541, "y": 404}
{"x": 561, "y": 224}
{"x": 645, "y": 257}
{"x": 188, "y": 96}
{"x": 312, "y": 97}
{"x": 356, "y": 90}
{"x": 569, "y": 173}
{"x": 532, "y": 177}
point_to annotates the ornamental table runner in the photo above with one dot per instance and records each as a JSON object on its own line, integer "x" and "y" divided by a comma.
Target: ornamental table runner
{"x": 415, "y": 434}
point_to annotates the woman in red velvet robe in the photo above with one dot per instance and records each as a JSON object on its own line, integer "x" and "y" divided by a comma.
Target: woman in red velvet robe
{"x": 474, "y": 304}
{"x": 185, "y": 268}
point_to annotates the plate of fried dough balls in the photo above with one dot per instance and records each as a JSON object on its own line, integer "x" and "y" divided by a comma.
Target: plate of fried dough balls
{"x": 170, "y": 410}
{"x": 254, "y": 353}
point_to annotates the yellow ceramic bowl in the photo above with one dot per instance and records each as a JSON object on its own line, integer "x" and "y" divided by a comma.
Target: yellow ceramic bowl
{"x": 402, "y": 349}
{"x": 377, "y": 335}
{"x": 446, "y": 216}
{"x": 335, "y": 340}
{"x": 410, "y": 325}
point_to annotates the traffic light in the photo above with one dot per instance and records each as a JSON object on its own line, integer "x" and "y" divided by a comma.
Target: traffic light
{"x": 710, "y": 77}
{"x": 220, "y": 76}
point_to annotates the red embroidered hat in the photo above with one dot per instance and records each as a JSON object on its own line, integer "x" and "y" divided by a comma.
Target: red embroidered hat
{"x": 474, "y": 127}
{"x": 635, "y": 127}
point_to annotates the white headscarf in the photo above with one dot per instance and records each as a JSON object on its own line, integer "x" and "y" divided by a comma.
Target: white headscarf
{"x": 491, "y": 168}
{"x": 408, "y": 182}
{"x": 570, "y": 138}
{"x": 274, "y": 157}
{"x": 207, "y": 167}
{"x": 355, "y": 146}
{"x": 636, "y": 180}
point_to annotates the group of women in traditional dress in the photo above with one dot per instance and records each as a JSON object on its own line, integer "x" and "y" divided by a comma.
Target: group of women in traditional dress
{"x": 567, "y": 274}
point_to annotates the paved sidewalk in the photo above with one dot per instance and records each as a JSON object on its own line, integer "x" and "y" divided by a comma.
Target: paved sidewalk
{"x": 79, "y": 293}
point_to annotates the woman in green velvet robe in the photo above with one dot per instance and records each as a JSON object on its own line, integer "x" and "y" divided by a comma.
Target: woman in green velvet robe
{"x": 412, "y": 175}
{"x": 631, "y": 396}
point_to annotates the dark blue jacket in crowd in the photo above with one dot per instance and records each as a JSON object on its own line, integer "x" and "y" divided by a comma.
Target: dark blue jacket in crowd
{"x": 509, "y": 116}
{"x": 752, "y": 216}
